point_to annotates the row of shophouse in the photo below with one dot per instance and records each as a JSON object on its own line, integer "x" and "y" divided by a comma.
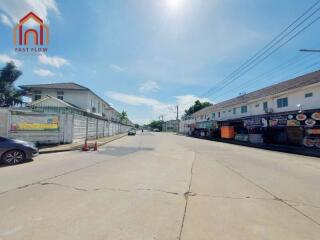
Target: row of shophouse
{"x": 284, "y": 113}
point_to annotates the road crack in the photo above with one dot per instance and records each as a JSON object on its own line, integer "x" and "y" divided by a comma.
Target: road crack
{"x": 276, "y": 198}
{"x": 186, "y": 196}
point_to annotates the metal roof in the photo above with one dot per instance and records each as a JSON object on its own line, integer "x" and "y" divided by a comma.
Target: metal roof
{"x": 298, "y": 82}
{"x": 69, "y": 86}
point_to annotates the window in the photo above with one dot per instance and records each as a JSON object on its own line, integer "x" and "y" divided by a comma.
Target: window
{"x": 244, "y": 109}
{"x": 257, "y": 105}
{"x": 219, "y": 114}
{"x": 265, "y": 106}
{"x": 282, "y": 102}
{"x": 37, "y": 95}
{"x": 213, "y": 115}
{"x": 60, "y": 95}
{"x": 307, "y": 95}
{"x": 234, "y": 110}
{"x": 99, "y": 107}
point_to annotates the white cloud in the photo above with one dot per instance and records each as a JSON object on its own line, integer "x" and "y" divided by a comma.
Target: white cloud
{"x": 53, "y": 61}
{"x": 185, "y": 101}
{"x": 6, "y": 58}
{"x": 5, "y": 20}
{"x": 132, "y": 99}
{"x": 168, "y": 110}
{"x": 149, "y": 86}
{"x": 116, "y": 68}
{"x": 43, "y": 72}
{"x": 16, "y": 9}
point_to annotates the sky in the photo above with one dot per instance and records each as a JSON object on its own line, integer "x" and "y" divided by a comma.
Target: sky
{"x": 147, "y": 56}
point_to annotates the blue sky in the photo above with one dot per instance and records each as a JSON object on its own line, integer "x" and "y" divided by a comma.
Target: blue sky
{"x": 145, "y": 56}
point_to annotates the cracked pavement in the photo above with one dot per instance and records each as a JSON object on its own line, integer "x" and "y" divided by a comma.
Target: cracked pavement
{"x": 162, "y": 186}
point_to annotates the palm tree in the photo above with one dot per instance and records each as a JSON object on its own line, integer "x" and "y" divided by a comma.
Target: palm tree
{"x": 9, "y": 94}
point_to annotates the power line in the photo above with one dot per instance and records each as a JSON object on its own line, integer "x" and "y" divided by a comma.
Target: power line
{"x": 267, "y": 74}
{"x": 267, "y": 47}
{"x": 272, "y": 52}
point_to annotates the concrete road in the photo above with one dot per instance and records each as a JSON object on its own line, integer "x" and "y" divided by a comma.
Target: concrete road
{"x": 162, "y": 186}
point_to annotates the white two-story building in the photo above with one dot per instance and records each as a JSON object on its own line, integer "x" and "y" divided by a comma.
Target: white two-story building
{"x": 298, "y": 94}
{"x": 73, "y": 94}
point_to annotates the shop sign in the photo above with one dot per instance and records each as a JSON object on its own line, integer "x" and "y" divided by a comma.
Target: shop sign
{"x": 293, "y": 123}
{"x": 310, "y": 122}
{"x": 316, "y": 116}
{"x": 278, "y": 121}
{"x": 314, "y": 131}
{"x": 301, "y": 117}
{"x": 34, "y": 122}
{"x": 255, "y": 122}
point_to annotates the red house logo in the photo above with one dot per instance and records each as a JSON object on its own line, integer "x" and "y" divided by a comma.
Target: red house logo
{"x": 26, "y": 33}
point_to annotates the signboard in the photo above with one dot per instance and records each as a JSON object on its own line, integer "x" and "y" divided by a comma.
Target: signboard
{"x": 278, "y": 121}
{"x": 34, "y": 122}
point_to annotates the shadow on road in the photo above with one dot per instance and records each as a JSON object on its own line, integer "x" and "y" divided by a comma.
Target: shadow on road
{"x": 123, "y": 151}
{"x": 2, "y": 165}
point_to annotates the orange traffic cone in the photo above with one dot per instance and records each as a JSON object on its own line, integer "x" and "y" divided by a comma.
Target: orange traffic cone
{"x": 95, "y": 148}
{"x": 85, "y": 146}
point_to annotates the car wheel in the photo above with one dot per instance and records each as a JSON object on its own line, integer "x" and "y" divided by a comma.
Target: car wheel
{"x": 13, "y": 157}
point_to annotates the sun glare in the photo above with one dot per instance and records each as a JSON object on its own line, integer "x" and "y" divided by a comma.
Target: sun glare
{"x": 174, "y": 4}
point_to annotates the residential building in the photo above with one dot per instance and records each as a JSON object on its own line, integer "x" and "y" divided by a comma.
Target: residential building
{"x": 298, "y": 94}
{"x": 71, "y": 93}
{"x": 171, "y": 126}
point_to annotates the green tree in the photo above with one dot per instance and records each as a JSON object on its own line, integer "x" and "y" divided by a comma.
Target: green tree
{"x": 123, "y": 116}
{"x": 196, "y": 107}
{"x": 9, "y": 94}
{"x": 156, "y": 124}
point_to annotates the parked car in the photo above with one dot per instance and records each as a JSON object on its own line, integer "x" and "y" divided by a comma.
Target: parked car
{"x": 132, "y": 132}
{"x": 16, "y": 151}
{"x": 156, "y": 130}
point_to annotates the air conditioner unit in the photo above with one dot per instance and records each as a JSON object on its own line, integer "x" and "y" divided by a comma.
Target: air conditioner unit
{"x": 268, "y": 110}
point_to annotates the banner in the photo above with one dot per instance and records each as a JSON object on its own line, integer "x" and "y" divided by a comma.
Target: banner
{"x": 34, "y": 122}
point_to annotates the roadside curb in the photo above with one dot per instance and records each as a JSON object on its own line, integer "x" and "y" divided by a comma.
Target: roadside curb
{"x": 277, "y": 148}
{"x": 76, "y": 148}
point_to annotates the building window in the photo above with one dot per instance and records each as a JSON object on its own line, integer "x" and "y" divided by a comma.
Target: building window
{"x": 265, "y": 106}
{"x": 37, "y": 95}
{"x": 244, "y": 109}
{"x": 99, "y": 107}
{"x": 213, "y": 115}
{"x": 307, "y": 95}
{"x": 234, "y": 110}
{"x": 60, "y": 95}
{"x": 257, "y": 105}
{"x": 282, "y": 102}
{"x": 219, "y": 114}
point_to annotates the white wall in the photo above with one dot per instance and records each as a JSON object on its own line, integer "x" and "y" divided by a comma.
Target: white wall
{"x": 78, "y": 98}
{"x": 295, "y": 97}
{"x": 83, "y": 99}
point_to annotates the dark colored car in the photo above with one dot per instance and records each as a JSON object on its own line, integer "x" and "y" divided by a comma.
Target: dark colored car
{"x": 132, "y": 132}
{"x": 16, "y": 151}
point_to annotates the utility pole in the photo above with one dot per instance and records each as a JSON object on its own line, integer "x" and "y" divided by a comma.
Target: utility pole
{"x": 178, "y": 125}
{"x": 177, "y": 112}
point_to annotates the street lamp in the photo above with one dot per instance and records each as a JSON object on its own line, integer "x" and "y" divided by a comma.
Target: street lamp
{"x": 300, "y": 108}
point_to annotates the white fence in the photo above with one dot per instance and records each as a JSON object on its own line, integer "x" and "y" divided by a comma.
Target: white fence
{"x": 55, "y": 128}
